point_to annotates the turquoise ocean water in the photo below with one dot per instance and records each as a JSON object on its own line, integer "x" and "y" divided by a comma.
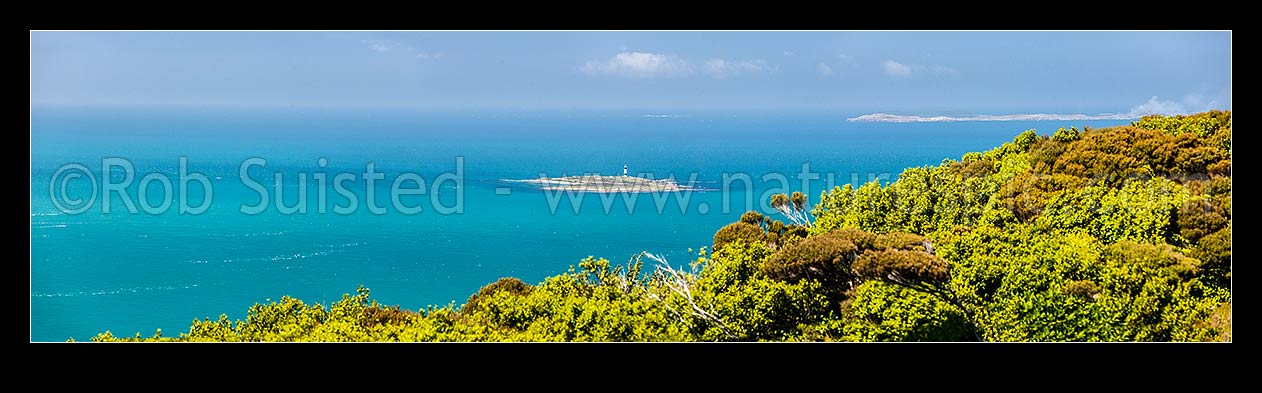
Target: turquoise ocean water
{"x": 124, "y": 272}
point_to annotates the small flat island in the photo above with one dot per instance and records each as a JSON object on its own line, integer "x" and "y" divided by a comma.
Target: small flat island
{"x": 607, "y": 184}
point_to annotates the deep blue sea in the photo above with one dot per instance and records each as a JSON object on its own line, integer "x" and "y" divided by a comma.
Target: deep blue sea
{"x": 136, "y": 272}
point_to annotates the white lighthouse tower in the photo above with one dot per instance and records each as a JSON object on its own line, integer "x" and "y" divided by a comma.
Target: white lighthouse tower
{"x": 624, "y": 169}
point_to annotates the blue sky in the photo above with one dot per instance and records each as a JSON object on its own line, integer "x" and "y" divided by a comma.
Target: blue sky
{"x": 859, "y": 72}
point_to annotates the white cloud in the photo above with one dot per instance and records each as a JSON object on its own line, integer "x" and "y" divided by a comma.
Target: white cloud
{"x": 845, "y": 57}
{"x": 638, "y": 65}
{"x": 1156, "y": 106}
{"x": 824, "y": 69}
{"x": 1191, "y": 103}
{"x": 720, "y": 68}
{"x": 894, "y": 68}
{"x": 651, "y": 65}
{"x": 789, "y": 53}
{"x": 662, "y": 116}
{"x": 377, "y": 45}
{"x": 384, "y": 47}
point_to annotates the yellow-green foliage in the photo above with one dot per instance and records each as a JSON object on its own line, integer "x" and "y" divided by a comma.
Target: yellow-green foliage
{"x": 1116, "y": 234}
{"x": 825, "y": 258}
{"x": 1215, "y": 126}
{"x": 886, "y": 312}
{"x": 752, "y": 305}
{"x": 739, "y": 231}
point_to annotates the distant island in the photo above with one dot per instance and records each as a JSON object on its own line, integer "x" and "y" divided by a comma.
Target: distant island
{"x": 607, "y": 184}
{"x": 889, "y": 118}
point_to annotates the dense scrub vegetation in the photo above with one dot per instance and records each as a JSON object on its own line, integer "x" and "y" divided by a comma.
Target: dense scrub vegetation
{"x": 1117, "y": 234}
